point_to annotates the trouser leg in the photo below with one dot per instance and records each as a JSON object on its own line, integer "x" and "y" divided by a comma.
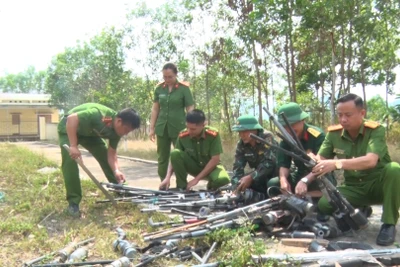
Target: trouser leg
{"x": 70, "y": 172}
{"x": 163, "y": 152}
{"x": 182, "y": 163}
{"x": 98, "y": 148}
{"x": 217, "y": 178}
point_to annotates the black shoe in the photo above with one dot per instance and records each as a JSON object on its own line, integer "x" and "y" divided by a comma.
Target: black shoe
{"x": 386, "y": 235}
{"x": 367, "y": 210}
{"x": 73, "y": 210}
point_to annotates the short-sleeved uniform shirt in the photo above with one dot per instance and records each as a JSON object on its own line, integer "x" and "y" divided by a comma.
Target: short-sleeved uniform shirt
{"x": 172, "y": 108}
{"x": 95, "y": 120}
{"x": 370, "y": 139}
{"x": 260, "y": 157}
{"x": 200, "y": 149}
{"x": 311, "y": 140}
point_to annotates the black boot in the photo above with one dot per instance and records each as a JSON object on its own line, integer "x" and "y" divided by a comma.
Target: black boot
{"x": 386, "y": 235}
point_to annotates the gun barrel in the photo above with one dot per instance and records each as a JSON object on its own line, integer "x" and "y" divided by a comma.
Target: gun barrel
{"x": 326, "y": 255}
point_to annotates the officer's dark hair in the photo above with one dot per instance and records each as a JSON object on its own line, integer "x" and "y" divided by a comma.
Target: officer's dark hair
{"x": 351, "y": 97}
{"x": 171, "y": 66}
{"x": 129, "y": 117}
{"x": 195, "y": 116}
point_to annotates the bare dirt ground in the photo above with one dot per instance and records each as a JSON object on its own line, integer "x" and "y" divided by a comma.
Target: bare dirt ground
{"x": 140, "y": 174}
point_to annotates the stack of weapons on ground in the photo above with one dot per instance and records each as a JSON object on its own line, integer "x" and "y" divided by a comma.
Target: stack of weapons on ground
{"x": 285, "y": 216}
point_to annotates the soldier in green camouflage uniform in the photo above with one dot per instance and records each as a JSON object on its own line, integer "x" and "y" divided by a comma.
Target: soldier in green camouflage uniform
{"x": 260, "y": 157}
{"x": 87, "y": 125}
{"x": 197, "y": 152}
{"x": 303, "y": 180}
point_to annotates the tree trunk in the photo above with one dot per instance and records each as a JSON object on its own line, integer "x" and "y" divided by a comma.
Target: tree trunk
{"x": 332, "y": 103}
{"x": 208, "y": 97}
{"x": 226, "y": 108}
{"x": 292, "y": 59}
{"x": 350, "y": 51}
{"x": 194, "y": 80}
{"x": 387, "y": 103}
{"x": 362, "y": 70}
{"x": 342, "y": 61}
{"x": 260, "y": 117}
{"x": 287, "y": 67}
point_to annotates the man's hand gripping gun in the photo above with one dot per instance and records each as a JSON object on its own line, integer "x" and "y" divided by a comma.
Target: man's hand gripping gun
{"x": 347, "y": 218}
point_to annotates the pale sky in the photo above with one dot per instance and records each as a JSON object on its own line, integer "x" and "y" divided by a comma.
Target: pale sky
{"x": 33, "y": 31}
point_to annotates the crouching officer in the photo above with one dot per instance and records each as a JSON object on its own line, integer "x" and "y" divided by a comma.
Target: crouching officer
{"x": 302, "y": 181}
{"x": 87, "y": 125}
{"x": 259, "y": 156}
{"x": 197, "y": 152}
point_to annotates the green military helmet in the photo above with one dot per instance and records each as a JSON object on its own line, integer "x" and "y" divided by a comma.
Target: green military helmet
{"x": 245, "y": 123}
{"x": 293, "y": 113}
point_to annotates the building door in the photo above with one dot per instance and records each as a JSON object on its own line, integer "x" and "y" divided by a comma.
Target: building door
{"x": 15, "y": 124}
{"x": 47, "y": 119}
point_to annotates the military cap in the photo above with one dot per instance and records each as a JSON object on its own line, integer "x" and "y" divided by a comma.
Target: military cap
{"x": 293, "y": 113}
{"x": 245, "y": 123}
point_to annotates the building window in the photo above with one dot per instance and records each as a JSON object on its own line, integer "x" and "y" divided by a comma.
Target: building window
{"x": 15, "y": 119}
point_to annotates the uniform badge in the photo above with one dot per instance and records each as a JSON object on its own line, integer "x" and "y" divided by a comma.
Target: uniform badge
{"x": 107, "y": 121}
{"x": 338, "y": 151}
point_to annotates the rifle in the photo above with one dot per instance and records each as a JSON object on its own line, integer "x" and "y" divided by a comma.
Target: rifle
{"x": 62, "y": 253}
{"x": 347, "y": 218}
{"x": 326, "y": 255}
{"x": 296, "y": 207}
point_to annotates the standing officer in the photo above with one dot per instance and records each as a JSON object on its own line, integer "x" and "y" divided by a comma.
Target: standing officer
{"x": 197, "y": 152}
{"x": 370, "y": 176}
{"x": 88, "y": 125}
{"x": 259, "y": 156}
{"x": 171, "y": 98}
{"x": 311, "y": 138}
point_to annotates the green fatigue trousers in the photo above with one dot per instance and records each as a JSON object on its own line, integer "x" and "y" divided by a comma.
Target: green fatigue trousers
{"x": 313, "y": 186}
{"x": 261, "y": 184}
{"x": 184, "y": 165}
{"x": 98, "y": 148}
{"x": 163, "y": 152}
{"x": 383, "y": 189}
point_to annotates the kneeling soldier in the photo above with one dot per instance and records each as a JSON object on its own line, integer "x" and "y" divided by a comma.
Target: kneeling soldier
{"x": 259, "y": 156}
{"x": 197, "y": 152}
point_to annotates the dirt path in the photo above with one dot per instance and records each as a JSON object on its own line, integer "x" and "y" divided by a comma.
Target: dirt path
{"x": 141, "y": 174}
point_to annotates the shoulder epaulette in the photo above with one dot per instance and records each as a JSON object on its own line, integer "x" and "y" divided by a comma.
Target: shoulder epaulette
{"x": 211, "y": 132}
{"x": 183, "y": 133}
{"x": 185, "y": 83}
{"x": 313, "y": 132}
{"x": 335, "y": 127}
{"x": 371, "y": 124}
{"x": 160, "y": 83}
{"x": 107, "y": 120}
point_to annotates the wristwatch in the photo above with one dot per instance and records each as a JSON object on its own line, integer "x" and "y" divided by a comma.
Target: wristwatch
{"x": 339, "y": 165}
{"x": 304, "y": 180}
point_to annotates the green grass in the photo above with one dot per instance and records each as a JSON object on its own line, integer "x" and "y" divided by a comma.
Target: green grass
{"x": 34, "y": 223}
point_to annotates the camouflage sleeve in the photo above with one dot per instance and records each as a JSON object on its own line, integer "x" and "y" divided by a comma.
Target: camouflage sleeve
{"x": 238, "y": 165}
{"x": 267, "y": 166}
